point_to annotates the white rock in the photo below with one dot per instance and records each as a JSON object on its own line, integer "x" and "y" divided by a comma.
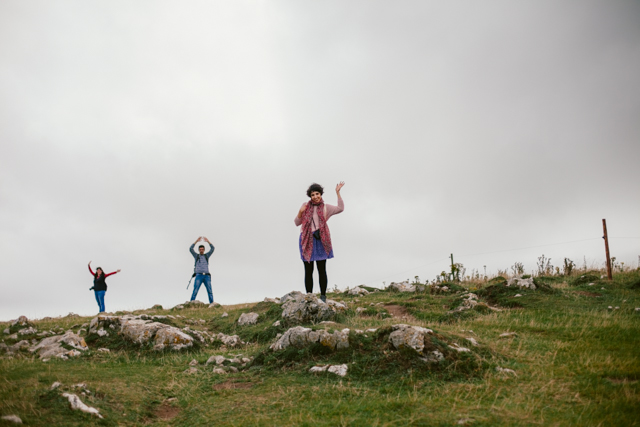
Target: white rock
{"x": 225, "y": 314}
{"x": 193, "y": 362}
{"x": 230, "y": 340}
{"x": 300, "y": 337}
{"x": 77, "y": 404}
{"x": 219, "y": 371}
{"x": 51, "y": 346}
{"x": 214, "y": 305}
{"x": 12, "y": 419}
{"x": 517, "y": 295}
{"x": 610, "y": 308}
{"x": 459, "y": 349}
{"x": 319, "y": 368}
{"x": 248, "y": 319}
{"x": 360, "y": 309}
{"x": 358, "y": 291}
{"x": 102, "y": 333}
{"x": 433, "y": 357}
{"x": 275, "y": 300}
{"x": 340, "y": 370}
{"x": 637, "y": 309}
{"x": 192, "y": 370}
{"x": 402, "y": 287}
{"x": 55, "y": 385}
{"x": 519, "y": 282}
{"x": 507, "y": 335}
{"x": 409, "y": 337}
{"x": 472, "y": 341}
{"x": 104, "y": 350}
{"x": 308, "y": 308}
{"x": 506, "y": 371}
{"x": 616, "y": 308}
{"x": 27, "y": 331}
{"x": 218, "y": 360}
{"x": 6, "y": 331}
{"x": 276, "y": 323}
{"x": 591, "y": 284}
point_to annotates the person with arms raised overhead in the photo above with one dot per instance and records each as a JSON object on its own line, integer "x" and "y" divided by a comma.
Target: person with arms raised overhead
{"x": 201, "y": 268}
{"x": 315, "y": 240}
{"x": 100, "y": 285}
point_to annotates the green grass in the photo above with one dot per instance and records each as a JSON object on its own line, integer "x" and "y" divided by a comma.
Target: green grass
{"x": 577, "y": 363}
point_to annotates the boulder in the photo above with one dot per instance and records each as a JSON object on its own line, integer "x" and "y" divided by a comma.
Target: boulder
{"x": 230, "y": 340}
{"x": 401, "y": 287}
{"x": 52, "y": 346}
{"x": 11, "y": 419}
{"x": 521, "y": 283}
{"x": 301, "y": 308}
{"x": 248, "y": 319}
{"x": 405, "y": 336}
{"x": 140, "y": 331}
{"x": 301, "y": 337}
{"x": 340, "y": 370}
{"x": 358, "y": 291}
{"x": 21, "y": 322}
{"x": 77, "y": 404}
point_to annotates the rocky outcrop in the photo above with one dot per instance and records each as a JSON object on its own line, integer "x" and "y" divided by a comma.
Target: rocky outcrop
{"x": 358, "y": 291}
{"x": 405, "y": 336}
{"x": 401, "y": 287}
{"x": 52, "y": 346}
{"x": 519, "y": 282}
{"x": 248, "y": 319}
{"x": 301, "y": 308}
{"x": 141, "y": 331}
{"x": 301, "y": 337}
{"x": 230, "y": 340}
{"x": 77, "y": 404}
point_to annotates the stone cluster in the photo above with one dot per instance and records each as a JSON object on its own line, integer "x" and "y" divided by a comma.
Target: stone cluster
{"x": 307, "y": 308}
{"x": 301, "y": 337}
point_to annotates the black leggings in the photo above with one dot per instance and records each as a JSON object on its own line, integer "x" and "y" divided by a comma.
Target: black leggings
{"x": 308, "y": 276}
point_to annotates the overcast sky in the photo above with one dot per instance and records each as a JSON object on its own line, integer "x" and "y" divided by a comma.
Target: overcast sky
{"x": 128, "y": 129}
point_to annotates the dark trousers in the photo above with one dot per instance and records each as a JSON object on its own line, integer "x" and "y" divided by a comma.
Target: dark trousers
{"x": 308, "y": 276}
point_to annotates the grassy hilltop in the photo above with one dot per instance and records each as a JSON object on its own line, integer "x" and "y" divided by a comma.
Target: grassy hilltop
{"x": 574, "y": 362}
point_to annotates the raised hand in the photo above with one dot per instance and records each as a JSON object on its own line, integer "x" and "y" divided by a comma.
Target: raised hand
{"x": 339, "y": 187}
{"x": 118, "y": 271}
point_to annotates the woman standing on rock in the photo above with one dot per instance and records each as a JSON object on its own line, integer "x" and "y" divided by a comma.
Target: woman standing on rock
{"x": 99, "y": 285}
{"x": 315, "y": 240}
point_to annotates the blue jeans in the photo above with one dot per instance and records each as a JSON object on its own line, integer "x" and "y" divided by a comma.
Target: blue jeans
{"x": 100, "y": 299}
{"x": 207, "y": 284}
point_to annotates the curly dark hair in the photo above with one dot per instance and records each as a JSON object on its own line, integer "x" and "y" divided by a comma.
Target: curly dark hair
{"x": 315, "y": 187}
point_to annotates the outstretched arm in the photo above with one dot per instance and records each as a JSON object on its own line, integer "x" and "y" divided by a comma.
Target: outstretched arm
{"x": 107, "y": 275}
{"x": 90, "y": 270}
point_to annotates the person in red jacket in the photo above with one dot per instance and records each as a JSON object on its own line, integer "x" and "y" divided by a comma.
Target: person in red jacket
{"x": 99, "y": 285}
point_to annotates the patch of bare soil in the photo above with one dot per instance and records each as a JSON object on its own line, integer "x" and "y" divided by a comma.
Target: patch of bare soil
{"x": 399, "y": 312}
{"x": 588, "y": 294}
{"x": 233, "y": 384}
{"x": 166, "y": 411}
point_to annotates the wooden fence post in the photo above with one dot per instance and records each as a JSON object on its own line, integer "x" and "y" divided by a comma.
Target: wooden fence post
{"x": 606, "y": 248}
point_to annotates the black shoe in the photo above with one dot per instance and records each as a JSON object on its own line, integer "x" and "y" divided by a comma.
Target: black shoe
{"x": 323, "y": 298}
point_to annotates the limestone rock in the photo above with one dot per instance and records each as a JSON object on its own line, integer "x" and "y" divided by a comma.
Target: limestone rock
{"x": 401, "y": 287}
{"x": 409, "y": 337}
{"x": 225, "y": 314}
{"x": 7, "y": 331}
{"x": 218, "y": 360}
{"x": 140, "y": 331}
{"x": 103, "y": 350}
{"x": 358, "y": 291}
{"x": 20, "y": 345}
{"x": 219, "y": 371}
{"x": 28, "y": 331}
{"x": 459, "y": 349}
{"x": 194, "y": 362}
{"x": 340, "y": 370}
{"x": 301, "y": 337}
{"x": 508, "y": 335}
{"x": 248, "y": 319}
{"x": 506, "y": 371}
{"x": 21, "y": 322}
{"x": 308, "y": 308}
{"x": 191, "y": 371}
{"x": 214, "y": 305}
{"x": 521, "y": 283}
{"x": 433, "y": 357}
{"x": 230, "y": 340}
{"x": 52, "y": 346}
{"x": 276, "y": 323}
{"x": 77, "y": 404}
{"x": 274, "y": 300}
{"x": 472, "y": 341}
{"x": 12, "y": 419}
